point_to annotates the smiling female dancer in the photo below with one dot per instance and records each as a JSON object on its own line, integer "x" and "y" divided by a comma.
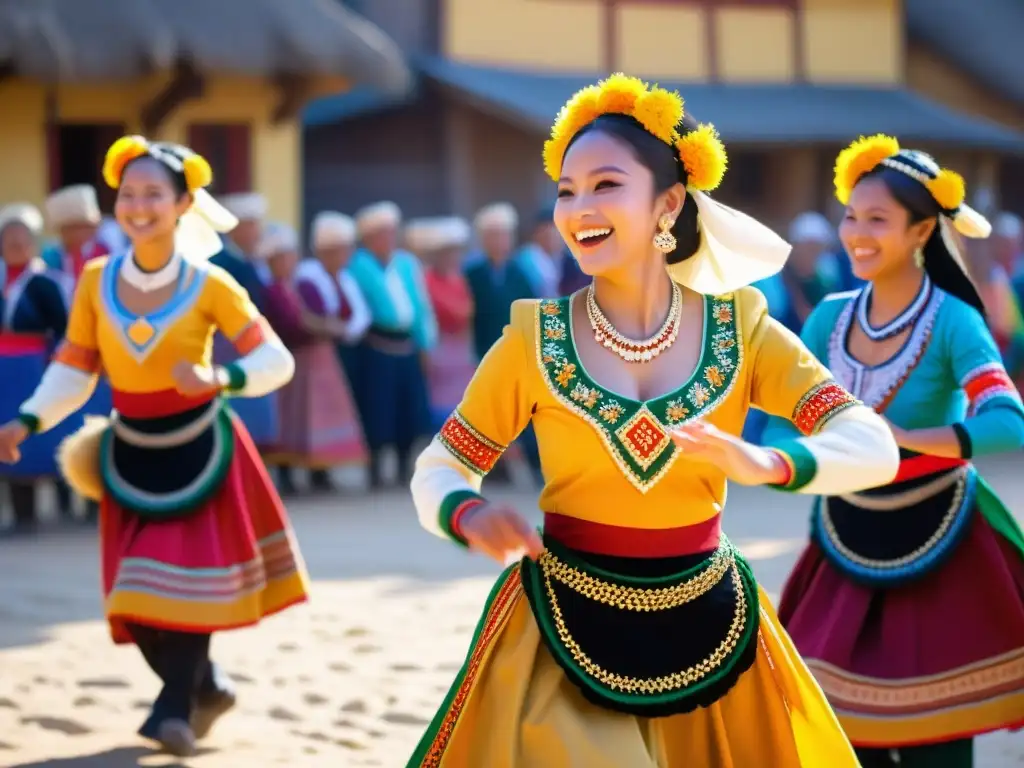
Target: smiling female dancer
{"x": 909, "y": 602}
{"x": 633, "y": 635}
{"x": 194, "y": 538}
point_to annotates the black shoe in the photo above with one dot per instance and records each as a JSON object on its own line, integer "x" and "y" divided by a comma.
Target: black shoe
{"x": 209, "y": 708}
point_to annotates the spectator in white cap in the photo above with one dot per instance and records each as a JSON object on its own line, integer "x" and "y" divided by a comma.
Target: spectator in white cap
{"x": 388, "y": 373}
{"x": 317, "y": 423}
{"x": 328, "y": 291}
{"x": 73, "y": 214}
{"x": 239, "y": 254}
{"x": 33, "y": 309}
{"x": 441, "y": 243}
{"x": 495, "y": 280}
{"x": 238, "y": 259}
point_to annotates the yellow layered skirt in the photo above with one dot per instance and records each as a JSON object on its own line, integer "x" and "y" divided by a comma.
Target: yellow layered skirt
{"x": 512, "y": 706}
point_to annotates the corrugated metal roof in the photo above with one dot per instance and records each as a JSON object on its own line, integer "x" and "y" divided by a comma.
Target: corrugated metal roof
{"x": 744, "y": 113}
{"x": 982, "y": 37}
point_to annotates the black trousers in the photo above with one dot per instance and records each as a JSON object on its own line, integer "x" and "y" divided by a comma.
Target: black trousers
{"x": 182, "y": 662}
{"x": 23, "y": 502}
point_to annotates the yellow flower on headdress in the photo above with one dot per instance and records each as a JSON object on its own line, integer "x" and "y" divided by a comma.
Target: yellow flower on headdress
{"x": 658, "y": 110}
{"x": 859, "y": 158}
{"x": 948, "y": 189}
{"x": 198, "y": 173}
{"x": 122, "y": 152}
{"x": 703, "y": 155}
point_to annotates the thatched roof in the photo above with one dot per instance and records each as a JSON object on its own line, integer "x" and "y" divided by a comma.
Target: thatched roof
{"x": 117, "y": 40}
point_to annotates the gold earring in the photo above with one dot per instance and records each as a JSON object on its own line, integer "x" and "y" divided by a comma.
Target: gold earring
{"x": 919, "y": 258}
{"x": 665, "y": 241}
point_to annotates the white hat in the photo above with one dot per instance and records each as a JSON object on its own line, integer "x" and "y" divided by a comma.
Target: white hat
{"x": 496, "y": 216}
{"x": 277, "y": 238}
{"x": 76, "y": 204}
{"x": 331, "y": 228}
{"x": 376, "y": 217}
{"x": 23, "y": 213}
{"x": 246, "y": 206}
{"x": 1008, "y": 225}
{"x": 433, "y": 234}
{"x": 811, "y": 227}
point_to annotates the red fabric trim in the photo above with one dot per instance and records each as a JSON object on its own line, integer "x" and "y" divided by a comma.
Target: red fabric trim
{"x": 23, "y": 344}
{"x": 818, "y": 406}
{"x": 987, "y": 381}
{"x": 152, "y": 405}
{"x": 920, "y": 466}
{"x": 455, "y": 524}
{"x": 619, "y": 541}
{"x": 781, "y": 462}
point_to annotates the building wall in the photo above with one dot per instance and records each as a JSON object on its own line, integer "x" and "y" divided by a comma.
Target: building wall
{"x": 828, "y": 41}
{"x": 397, "y": 155}
{"x": 276, "y": 150}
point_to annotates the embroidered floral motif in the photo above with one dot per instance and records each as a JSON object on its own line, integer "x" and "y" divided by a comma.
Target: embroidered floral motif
{"x": 611, "y": 412}
{"x": 584, "y": 395}
{"x": 473, "y": 450}
{"x": 819, "y": 405}
{"x": 676, "y": 411}
{"x": 635, "y": 433}
{"x": 722, "y": 312}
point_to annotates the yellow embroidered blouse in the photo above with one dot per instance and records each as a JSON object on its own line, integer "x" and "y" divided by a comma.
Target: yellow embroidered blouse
{"x": 139, "y": 352}
{"x": 609, "y": 459}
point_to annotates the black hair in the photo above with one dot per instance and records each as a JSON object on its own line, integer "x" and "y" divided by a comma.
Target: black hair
{"x": 171, "y": 158}
{"x": 663, "y": 162}
{"x": 944, "y": 268}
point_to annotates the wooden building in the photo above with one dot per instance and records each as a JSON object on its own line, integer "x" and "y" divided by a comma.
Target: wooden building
{"x": 787, "y": 82}
{"x": 227, "y": 77}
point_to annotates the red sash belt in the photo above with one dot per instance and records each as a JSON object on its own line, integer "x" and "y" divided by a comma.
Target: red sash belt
{"x": 620, "y": 541}
{"x": 153, "y": 405}
{"x": 922, "y": 466}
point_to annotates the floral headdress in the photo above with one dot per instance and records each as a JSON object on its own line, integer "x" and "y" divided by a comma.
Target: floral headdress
{"x": 196, "y": 169}
{"x": 946, "y": 187}
{"x": 659, "y": 111}
{"x": 197, "y": 235}
{"x": 735, "y": 250}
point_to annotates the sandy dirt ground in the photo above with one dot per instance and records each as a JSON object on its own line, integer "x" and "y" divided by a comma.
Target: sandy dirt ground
{"x": 351, "y": 679}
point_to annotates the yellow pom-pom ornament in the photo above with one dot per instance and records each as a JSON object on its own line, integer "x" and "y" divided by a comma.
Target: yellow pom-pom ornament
{"x": 122, "y": 152}
{"x": 659, "y": 111}
{"x": 198, "y": 173}
{"x": 948, "y": 189}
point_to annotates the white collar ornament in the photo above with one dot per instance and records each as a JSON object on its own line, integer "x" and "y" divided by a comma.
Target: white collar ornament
{"x": 147, "y": 282}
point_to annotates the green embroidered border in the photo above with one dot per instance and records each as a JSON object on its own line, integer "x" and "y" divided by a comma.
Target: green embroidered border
{"x": 467, "y": 675}
{"x": 449, "y": 505}
{"x": 533, "y": 583}
{"x": 801, "y": 461}
{"x": 612, "y": 415}
{"x": 179, "y": 502}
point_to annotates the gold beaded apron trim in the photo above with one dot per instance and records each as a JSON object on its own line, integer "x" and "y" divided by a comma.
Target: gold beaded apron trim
{"x": 959, "y": 483}
{"x": 578, "y": 606}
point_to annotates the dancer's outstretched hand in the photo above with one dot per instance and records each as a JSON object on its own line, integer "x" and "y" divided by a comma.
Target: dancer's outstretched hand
{"x": 742, "y": 462}
{"x": 12, "y": 434}
{"x": 194, "y": 380}
{"x": 499, "y": 531}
